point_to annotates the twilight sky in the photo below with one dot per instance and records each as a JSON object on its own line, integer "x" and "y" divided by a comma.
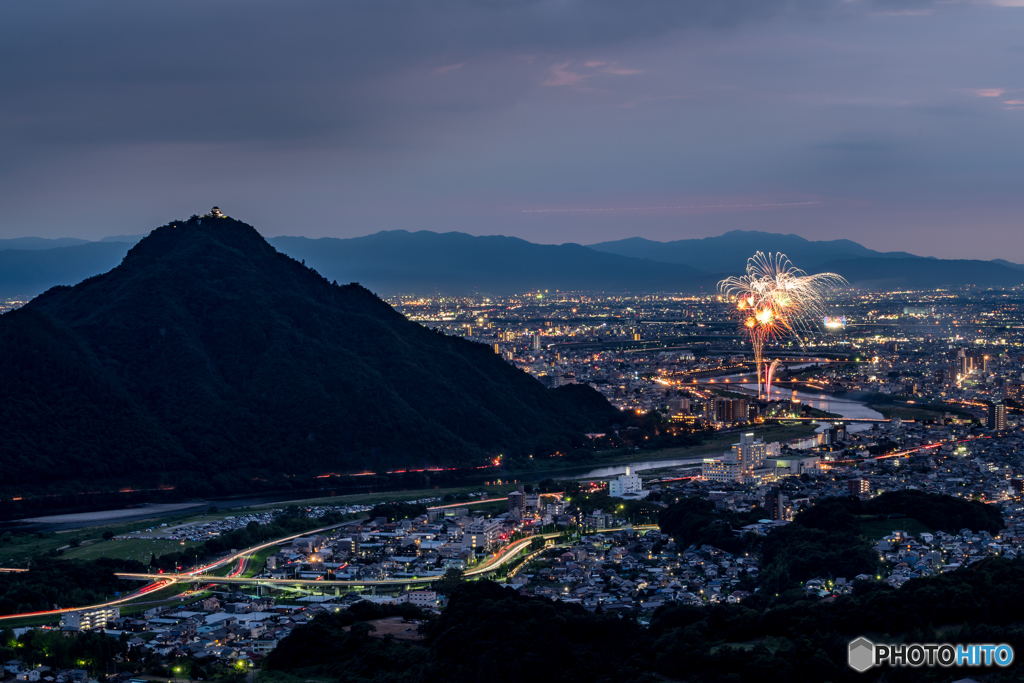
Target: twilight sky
{"x": 894, "y": 123}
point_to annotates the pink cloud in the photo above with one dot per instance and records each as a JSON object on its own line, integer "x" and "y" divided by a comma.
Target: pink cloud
{"x": 450, "y": 67}
{"x": 904, "y": 13}
{"x": 989, "y": 92}
{"x": 560, "y": 75}
{"x": 1013, "y": 102}
{"x": 592, "y": 64}
{"x": 622, "y": 71}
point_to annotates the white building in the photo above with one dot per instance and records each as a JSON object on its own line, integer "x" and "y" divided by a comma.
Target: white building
{"x": 627, "y": 486}
{"x": 795, "y": 466}
{"x": 423, "y": 599}
{"x": 482, "y": 533}
{"x": 745, "y": 464}
{"x": 87, "y": 619}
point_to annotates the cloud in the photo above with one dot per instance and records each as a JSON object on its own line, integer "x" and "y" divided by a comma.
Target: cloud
{"x": 560, "y": 75}
{"x": 989, "y": 92}
{"x": 450, "y": 67}
{"x": 621, "y": 71}
{"x": 904, "y": 13}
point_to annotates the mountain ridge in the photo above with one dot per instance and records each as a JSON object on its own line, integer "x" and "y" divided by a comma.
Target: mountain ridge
{"x": 720, "y": 253}
{"x": 453, "y": 262}
{"x": 426, "y": 262}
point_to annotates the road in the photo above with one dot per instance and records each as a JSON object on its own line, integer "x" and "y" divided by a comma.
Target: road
{"x": 503, "y": 557}
{"x": 158, "y": 581}
{"x": 507, "y": 554}
{"x": 164, "y": 580}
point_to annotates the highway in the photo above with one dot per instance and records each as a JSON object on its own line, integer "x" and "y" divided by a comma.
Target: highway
{"x": 507, "y": 554}
{"x": 164, "y": 580}
{"x": 198, "y": 575}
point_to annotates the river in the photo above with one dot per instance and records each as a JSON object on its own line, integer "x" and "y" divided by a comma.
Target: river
{"x": 843, "y": 407}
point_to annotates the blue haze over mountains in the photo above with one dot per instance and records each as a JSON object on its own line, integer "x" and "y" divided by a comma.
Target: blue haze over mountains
{"x": 424, "y": 262}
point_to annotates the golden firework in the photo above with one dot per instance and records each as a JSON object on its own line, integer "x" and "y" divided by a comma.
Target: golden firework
{"x": 784, "y": 301}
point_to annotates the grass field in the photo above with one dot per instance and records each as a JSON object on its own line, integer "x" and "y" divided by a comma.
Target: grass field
{"x": 876, "y": 529}
{"x": 29, "y": 621}
{"x": 721, "y": 443}
{"x": 391, "y": 496}
{"x": 140, "y": 549}
{"x": 923, "y": 411}
{"x": 258, "y": 561}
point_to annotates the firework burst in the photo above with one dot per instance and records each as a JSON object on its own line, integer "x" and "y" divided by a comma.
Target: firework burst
{"x": 777, "y": 300}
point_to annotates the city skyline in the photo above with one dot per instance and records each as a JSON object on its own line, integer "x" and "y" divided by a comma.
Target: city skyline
{"x": 892, "y": 125}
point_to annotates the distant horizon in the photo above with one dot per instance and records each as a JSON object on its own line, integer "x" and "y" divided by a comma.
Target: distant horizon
{"x": 112, "y": 237}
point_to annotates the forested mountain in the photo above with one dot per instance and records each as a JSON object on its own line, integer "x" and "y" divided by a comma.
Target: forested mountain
{"x": 426, "y": 262}
{"x": 207, "y": 360}
{"x": 917, "y": 273}
{"x": 728, "y": 252}
{"x": 29, "y": 271}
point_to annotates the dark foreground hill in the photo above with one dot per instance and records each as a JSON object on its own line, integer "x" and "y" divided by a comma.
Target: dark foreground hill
{"x": 207, "y": 360}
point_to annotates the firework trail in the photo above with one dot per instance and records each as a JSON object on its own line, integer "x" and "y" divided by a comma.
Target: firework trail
{"x": 777, "y": 300}
{"x": 769, "y": 374}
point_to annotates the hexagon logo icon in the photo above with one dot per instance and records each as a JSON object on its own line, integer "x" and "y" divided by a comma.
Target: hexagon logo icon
{"x": 861, "y": 655}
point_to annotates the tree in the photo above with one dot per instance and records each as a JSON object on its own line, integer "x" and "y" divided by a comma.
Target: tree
{"x": 450, "y": 581}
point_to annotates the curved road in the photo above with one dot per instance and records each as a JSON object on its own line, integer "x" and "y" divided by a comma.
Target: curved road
{"x": 507, "y": 554}
{"x": 164, "y": 580}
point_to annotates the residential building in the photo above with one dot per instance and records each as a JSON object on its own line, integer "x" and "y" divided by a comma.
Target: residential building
{"x": 89, "y": 619}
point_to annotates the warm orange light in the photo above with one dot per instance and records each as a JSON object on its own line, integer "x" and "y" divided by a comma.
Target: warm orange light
{"x": 750, "y": 322}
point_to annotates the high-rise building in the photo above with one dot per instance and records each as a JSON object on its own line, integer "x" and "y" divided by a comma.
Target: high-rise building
{"x": 482, "y": 533}
{"x": 536, "y": 342}
{"x": 997, "y": 416}
{"x": 859, "y": 487}
{"x": 731, "y": 410}
{"x": 744, "y": 465}
{"x": 679, "y": 406}
{"x": 627, "y": 484}
{"x": 517, "y": 501}
{"x": 775, "y": 503}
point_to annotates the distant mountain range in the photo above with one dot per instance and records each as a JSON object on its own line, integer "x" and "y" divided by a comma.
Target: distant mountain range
{"x": 209, "y": 361}
{"x": 425, "y": 262}
{"x": 456, "y": 263}
{"x": 38, "y": 243}
{"x": 728, "y": 252}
